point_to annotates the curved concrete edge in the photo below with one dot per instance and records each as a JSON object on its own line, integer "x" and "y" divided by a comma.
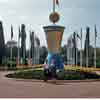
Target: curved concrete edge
{"x": 63, "y": 81}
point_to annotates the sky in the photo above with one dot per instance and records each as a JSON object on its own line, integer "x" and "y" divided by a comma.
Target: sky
{"x": 74, "y": 15}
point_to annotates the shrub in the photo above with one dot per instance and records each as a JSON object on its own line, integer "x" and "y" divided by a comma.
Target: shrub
{"x": 61, "y": 75}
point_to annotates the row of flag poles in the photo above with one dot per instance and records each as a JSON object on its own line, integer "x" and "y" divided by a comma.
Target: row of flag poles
{"x": 12, "y": 34}
{"x": 80, "y": 37}
{"x": 18, "y": 53}
{"x": 77, "y": 36}
{"x": 87, "y": 55}
{"x": 33, "y": 41}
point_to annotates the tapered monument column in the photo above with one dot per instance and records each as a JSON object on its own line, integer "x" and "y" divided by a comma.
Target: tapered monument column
{"x": 54, "y": 35}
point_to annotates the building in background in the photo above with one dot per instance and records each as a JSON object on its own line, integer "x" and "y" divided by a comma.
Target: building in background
{"x": 12, "y": 44}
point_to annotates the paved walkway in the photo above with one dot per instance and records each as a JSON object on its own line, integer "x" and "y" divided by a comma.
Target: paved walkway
{"x": 10, "y": 88}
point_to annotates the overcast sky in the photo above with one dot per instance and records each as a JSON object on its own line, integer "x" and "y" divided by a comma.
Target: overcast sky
{"x": 34, "y": 14}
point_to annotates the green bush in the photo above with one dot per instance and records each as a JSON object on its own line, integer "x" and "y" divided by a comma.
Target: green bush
{"x": 61, "y": 75}
{"x": 37, "y": 74}
{"x": 69, "y": 75}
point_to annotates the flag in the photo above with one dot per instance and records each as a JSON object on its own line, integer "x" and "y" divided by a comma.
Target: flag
{"x": 11, "y": 32}
{"x": 75, "y": 47}
{"x": 30, "y": 36}
{"x": 95, "y": 31}
{"x": 87, "y": 40}
{"x": 18, "y": 60}
{"x": 81, "y": 33}
{"x": 87, "y": 46}
{"x": 57, "y": 2}
{"x": 74, "y": 40}
{"x": 70, "y": 42}
{"x": 37, "y": 41}
{"x": 78, "y": 36}
{"x": 19, "y": 33}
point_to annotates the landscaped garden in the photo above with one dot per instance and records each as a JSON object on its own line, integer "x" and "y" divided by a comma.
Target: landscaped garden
{"x": 69, "y": 73}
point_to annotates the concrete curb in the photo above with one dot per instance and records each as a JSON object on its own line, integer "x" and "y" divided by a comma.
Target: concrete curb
{"x": 62, "y": 81}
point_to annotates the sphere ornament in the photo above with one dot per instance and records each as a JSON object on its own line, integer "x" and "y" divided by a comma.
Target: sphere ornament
{"x": 54, "y": 17}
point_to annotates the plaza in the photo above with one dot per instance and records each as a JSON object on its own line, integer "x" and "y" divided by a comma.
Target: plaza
{"x": 14, "y": 88}
{"x": 49, "y": 57}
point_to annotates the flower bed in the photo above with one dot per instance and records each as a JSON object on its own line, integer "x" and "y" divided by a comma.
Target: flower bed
{"x": 61, "y": 75}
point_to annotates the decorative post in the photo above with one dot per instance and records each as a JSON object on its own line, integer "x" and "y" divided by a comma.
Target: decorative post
{"x": 54, "y": 35}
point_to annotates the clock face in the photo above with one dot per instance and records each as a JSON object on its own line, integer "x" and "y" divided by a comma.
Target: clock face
{"x": 54, "y": 17}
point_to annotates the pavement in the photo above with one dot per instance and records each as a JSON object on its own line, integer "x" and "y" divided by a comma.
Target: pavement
{"x": 12, "y": 88}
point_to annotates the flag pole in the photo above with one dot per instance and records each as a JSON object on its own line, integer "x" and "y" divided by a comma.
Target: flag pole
{"x": 18, "y": 51}
{"x": 76, "y": 50}
{"x": 87, "y": 57}
{"x": 33, "y": 48}
{"x": 81, "y": 60}
{"x": 87, "y": 54}
{"x": 71, "y": 52}
{"x": 30, "y": 50}
{"x": 19, "y": 47}
{"x": 54, "y": 6}
{"x": 11, "y": 54}
{"x": 95, "y": 54}
{"x": 95, "y": 48}
{"x": 11, "y": 44}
